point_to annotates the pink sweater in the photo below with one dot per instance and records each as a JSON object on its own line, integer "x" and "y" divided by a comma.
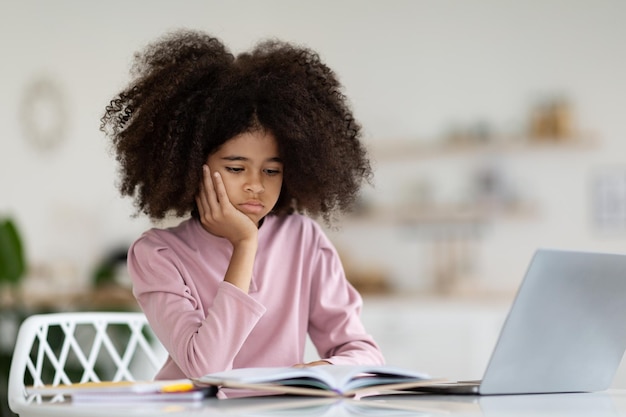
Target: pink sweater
{"x": 208, "y": 325}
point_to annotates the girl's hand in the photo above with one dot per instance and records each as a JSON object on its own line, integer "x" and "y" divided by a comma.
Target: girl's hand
{"x": 314, "y": 363}
{"x": 218, "y": 215}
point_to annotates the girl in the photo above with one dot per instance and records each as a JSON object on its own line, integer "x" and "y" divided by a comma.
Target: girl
{"x": 247, "y": 146}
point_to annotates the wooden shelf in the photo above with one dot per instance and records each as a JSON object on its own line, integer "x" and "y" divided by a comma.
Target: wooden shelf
{"x": 415, "y": 148}
{"x": 449, "y": 214}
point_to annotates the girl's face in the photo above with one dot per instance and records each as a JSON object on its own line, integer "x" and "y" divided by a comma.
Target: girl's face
{"x": 252, "y": 171}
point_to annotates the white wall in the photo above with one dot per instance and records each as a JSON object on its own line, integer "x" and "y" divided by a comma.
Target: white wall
{"x": 411, "y": 68}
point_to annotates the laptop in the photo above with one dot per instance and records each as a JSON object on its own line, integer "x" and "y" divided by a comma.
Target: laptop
{"x": 565, "y": 332}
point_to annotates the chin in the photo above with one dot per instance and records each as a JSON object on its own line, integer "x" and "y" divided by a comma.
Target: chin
{"x": 256, "y": 219}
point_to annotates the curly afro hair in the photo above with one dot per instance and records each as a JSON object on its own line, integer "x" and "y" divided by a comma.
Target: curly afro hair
{"x": 189, "y": 95}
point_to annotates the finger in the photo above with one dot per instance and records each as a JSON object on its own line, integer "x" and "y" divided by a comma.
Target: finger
{"x": 201, "y": 203}
{"x": 220, "y": 190}
{"x": 209, "y": 189}
{"x": 202, "y": 199}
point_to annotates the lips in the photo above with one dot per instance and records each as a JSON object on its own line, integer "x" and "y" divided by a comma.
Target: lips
{"x": 252, "y": 206}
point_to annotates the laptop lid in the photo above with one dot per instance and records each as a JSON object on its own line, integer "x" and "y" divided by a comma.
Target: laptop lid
{"x": 566, "y": 329}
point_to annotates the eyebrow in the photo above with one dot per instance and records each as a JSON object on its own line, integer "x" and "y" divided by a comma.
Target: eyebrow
{"x": 243, "y": 158}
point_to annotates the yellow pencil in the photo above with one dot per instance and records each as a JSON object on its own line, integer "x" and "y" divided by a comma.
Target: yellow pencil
{"x": 181, "y": 387}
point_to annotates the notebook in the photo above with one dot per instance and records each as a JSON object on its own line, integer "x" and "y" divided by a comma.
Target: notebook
{"x": 565, "y": 332}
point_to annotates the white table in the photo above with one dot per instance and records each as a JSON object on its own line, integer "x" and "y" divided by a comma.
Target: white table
{"x": 601, "y": 404}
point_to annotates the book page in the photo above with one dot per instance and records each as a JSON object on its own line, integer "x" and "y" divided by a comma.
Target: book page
{"x": 336, "y": 378}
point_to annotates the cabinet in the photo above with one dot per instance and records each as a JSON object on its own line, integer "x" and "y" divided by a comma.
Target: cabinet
{"x": 446, "y": 338}
{"x": 449, "y": 339}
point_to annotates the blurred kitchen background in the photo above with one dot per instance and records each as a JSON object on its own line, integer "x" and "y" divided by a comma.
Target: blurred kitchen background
{"x": 495, "y": 127}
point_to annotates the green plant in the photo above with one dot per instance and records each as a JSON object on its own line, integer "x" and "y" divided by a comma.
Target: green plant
{"x": 12, "y": 269}
{"x": 12, "y": 260}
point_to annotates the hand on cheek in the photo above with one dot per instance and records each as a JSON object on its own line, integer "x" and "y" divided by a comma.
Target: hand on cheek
{"x": 218, "y": 215}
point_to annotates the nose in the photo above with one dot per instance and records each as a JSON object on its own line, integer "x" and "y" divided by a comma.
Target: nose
{"x": 254, "y": 184}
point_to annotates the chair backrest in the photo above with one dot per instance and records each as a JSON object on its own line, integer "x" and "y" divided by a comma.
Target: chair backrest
{"x": 65, "y": 348}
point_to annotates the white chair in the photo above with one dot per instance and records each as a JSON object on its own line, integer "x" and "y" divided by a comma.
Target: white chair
{"x": 65, "y": 348}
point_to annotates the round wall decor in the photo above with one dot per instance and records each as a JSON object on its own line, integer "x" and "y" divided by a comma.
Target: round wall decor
{"x": 43, "y": 115}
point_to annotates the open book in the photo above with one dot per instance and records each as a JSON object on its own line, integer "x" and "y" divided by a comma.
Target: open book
{"x": 125, "y": 391}
{"x": 325, "y": 380}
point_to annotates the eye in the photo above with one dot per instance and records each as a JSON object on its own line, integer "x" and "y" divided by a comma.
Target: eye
{"x": 272, "y": 172}
{"x": 234, "y": 169}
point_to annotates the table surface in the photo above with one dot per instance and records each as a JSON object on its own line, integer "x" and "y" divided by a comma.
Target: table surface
{"x": 598, "y": 404}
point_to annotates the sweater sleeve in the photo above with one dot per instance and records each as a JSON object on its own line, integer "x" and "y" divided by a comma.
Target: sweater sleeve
{"x": 198, "y": 343}
{"x": 335, "y": 325}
